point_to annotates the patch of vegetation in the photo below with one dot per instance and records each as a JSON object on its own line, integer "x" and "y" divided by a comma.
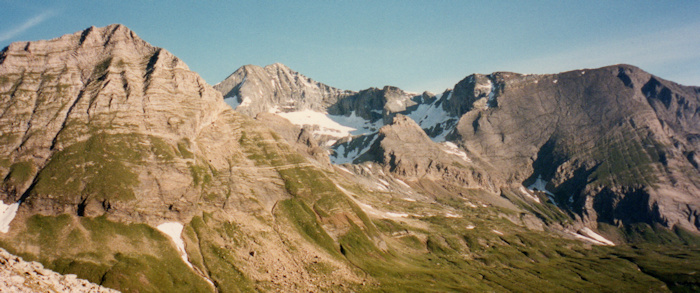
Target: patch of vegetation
{"x": 20, "y": 173}
{"x": 199, "y": 174}
{"x": 161, "y": 149}
{"x": 220, "y": 262}
{"x": 8, "y": 138}
{"x": 183, "y": 147}
{"x": 677, "y": 266}
{"x": 127, "y": 257}
{"x": 98, "y": 167}
{"x": 265, "y": 150}
{"x": 305, "y": 221}
{"x": 307, "y": 182}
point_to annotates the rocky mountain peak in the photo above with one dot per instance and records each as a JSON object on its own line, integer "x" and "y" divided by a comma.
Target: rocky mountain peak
{"x": 279, "y": 67}
{"x": 275, "y": 88}
{"x": 403, "y": 124}
{"x": 102, "y": 87}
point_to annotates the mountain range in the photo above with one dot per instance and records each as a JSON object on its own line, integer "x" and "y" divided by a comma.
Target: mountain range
{"x": 125, "y": 168}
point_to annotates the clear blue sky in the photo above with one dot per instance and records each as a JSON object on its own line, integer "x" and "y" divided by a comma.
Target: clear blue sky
{"x": 415, "y": 45}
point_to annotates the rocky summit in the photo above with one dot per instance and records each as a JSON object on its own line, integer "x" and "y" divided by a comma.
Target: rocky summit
{"x": 122, "y": 167}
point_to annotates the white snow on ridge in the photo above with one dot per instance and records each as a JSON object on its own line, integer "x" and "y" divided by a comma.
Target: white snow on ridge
{"x": 341, "y": 156}
{"x": 310, "y": 117}
{"x": 174, "y": 230}
{"x": 428, "y": 116}
{"x": 590, "y": 234}
{"x": 7, "y": 214}
{"x": 527, "y": 193}
{"x": 360, "y": 125}
{"x": 540, "y": 185}
{"x": 454, "y": 150}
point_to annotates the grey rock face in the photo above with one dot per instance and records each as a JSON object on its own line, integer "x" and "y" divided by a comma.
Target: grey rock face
{"x": 602, "y": 138}
{"x": 404, "y": 149}
{"x": 253, "y": 89}
{"x": 103, "y": 90}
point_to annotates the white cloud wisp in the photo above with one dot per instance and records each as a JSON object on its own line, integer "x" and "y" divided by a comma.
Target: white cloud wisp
{"x": 30, "y": 23}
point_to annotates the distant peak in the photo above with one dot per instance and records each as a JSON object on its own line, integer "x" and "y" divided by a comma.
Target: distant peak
{"x": 277, "y": 65}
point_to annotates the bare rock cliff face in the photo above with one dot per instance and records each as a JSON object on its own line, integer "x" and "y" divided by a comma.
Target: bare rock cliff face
{"x": 615, "y": 144}
{"x": 252, "y": 89}
{"x": 100, "y": 90}
{"x": 405, "y": 150}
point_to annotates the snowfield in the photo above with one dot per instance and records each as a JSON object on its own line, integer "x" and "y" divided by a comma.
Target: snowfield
{"x": 7, "y": 214}
{"x": 174, "y": 231}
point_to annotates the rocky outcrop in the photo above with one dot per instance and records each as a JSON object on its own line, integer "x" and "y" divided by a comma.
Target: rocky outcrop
{"x": 404, "y": 149}
{"x": 17, "y": 275}
{"x": 252, "y": 89}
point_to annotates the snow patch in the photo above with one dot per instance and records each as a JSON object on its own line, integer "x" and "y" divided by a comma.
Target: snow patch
{"x": 7, "y": 214}
{"x": 342, "y": 156}
{"x": 470, "y": 227}
{"x": 429, "y": 116}
{"x": 409, "y": 199}
{"x": 540, "y": 185}
{"x": 451, "y": 215}
{"x": 310, "y": 117}
{"x": 174, "y": 231}
{"x": 587, "y": 232}
{"x": 358, "y": 124}
{"x": 527, "y": 193}
{"x": 454, "y": 150}
{"x": 497, "y": 232}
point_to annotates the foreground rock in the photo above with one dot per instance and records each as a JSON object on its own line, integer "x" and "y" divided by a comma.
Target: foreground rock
{"x": 17, "y": 275}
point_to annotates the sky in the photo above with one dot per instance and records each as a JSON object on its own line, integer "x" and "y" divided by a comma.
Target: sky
{"x": 414, "y": 45}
